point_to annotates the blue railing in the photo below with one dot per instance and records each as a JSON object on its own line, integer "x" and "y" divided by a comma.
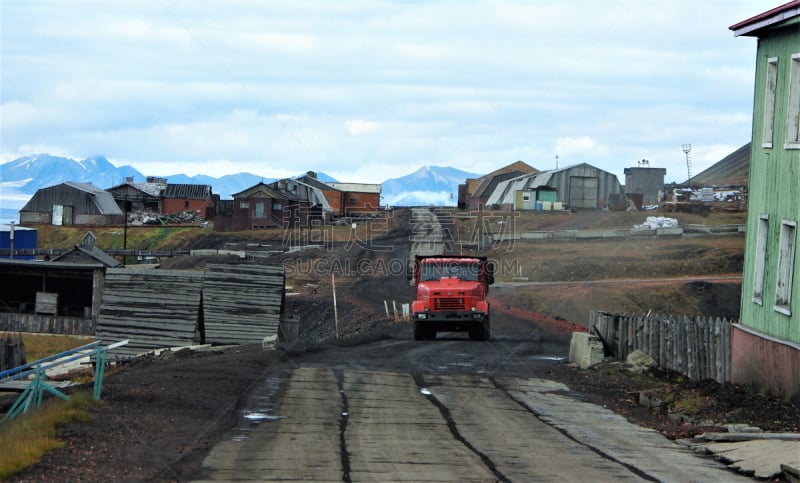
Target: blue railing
{"x": 32, "y": 395}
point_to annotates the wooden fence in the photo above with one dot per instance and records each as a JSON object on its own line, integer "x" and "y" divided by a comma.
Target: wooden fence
{"x": 698, "y": 348}
{"x": 47, "y": 324}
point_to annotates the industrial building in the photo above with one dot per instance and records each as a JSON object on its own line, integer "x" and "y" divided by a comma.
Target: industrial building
{"x": 572, "y": 187}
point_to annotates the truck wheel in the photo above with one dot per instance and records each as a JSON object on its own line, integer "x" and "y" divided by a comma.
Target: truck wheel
{"x": 480, "y": 332}
{"x": 421, "y": 332}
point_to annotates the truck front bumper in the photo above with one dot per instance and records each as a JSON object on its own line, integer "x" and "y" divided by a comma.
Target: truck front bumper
{"x": 451, "y": 321}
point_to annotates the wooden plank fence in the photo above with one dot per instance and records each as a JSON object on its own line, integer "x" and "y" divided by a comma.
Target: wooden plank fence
{"x": 46, "y": 324}
{"x": 242, "y": 303}
{"x": 152, "y": 309}
{"x": 699, "y": 348}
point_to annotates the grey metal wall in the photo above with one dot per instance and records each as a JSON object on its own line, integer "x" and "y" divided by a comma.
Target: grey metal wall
{"x": 607, "y": 183}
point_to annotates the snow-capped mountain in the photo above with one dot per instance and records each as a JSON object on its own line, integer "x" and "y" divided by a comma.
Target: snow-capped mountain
{"x": 429, "y": 185}
{"x": 30, "y": 173}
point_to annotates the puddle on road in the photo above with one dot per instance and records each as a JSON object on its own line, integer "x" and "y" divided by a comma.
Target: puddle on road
{"x": 259, "y": 417}
{"x": 550, "y": 358}
{"x": 258, "y": 408}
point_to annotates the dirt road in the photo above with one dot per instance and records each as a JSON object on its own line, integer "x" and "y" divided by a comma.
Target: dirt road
{"x": 445, "y": 410}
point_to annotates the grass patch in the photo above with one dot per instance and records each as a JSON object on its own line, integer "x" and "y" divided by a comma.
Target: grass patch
{"x": 25, "y": 439}
{"x": 38, "y": 346}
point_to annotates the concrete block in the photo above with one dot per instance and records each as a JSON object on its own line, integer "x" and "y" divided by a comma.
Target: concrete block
{"x": 669, "y": 231}
{"x": 269, "y": 342}
{"x": 585, "y": 350}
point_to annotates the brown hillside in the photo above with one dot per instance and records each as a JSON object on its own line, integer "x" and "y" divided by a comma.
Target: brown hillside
{"x": 732, "y": 170}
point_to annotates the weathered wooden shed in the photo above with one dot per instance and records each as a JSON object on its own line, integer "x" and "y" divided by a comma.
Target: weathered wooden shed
{"x": 88, "y": 252}
{"x": 57, "y": 297}
{"x": 140, "y": 196}
{"x": 71, "y": 203}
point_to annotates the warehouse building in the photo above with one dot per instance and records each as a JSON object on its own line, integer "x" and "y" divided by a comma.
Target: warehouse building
{"x": 572, "y": 187}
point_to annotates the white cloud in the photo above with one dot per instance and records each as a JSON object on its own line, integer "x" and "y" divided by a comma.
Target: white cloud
{"x": 271, "y": 87}
{"x": 359, "y": 127}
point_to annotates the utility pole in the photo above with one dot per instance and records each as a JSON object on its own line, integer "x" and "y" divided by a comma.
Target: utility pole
{"x": 11, "y": 241}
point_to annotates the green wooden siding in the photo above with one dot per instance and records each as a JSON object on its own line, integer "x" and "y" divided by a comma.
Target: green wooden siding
{"x": 774, "y": 191}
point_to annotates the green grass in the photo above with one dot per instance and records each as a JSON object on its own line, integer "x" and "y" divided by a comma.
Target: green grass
{"x": 38, "y": 346}
{"x": 25, "y": 439}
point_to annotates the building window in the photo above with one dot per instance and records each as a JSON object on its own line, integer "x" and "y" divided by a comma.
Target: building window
{"x": 277, "y": 206}
{"x": 769, "y": 101}
{"x": 761, "y": 258}
{"x": 260, "y": 213}
{"x": 783, "y": 289}
{"x": 793, "y": 119}
{"x": 353, "y": 201}
{"x": 186, "y": 204}
{"x": 244, "y": 204}
{"x": 526, "y": 197}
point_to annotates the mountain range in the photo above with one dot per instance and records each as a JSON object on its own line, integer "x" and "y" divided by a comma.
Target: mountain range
{"x": 22, "y": 177}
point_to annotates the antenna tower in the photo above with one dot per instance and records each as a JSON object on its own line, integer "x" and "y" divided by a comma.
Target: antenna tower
{"x": 686, "y": 149}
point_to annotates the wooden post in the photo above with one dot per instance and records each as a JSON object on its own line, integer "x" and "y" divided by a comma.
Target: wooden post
{"x": 335, "y": 310}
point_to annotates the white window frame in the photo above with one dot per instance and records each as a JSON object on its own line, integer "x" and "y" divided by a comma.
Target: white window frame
{"x": 761, "y": 259}
{"x": 769, "y": 102}
{"x": 783, "y": 287}
{"x": 793, "y": 117}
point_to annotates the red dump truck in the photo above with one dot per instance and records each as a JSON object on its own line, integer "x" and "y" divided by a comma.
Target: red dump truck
{"x": 451, "y": 295}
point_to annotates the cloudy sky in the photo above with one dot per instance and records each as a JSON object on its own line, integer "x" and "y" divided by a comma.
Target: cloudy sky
{"x": 371, "y": 90}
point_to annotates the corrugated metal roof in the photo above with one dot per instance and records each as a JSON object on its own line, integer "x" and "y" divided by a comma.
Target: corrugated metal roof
{"x": 299, "y": 191}
{"x": 152, "y": 189}
{"x": 187, "y": 191}
{"x": 102, "y": 199}
{"x": 356, "y": 187}
{"x": 505, "y": 192}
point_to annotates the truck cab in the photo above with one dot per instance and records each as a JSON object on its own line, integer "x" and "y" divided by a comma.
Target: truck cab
{"x": 450, "y": 295}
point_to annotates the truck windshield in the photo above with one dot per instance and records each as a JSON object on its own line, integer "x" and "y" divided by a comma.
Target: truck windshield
{"x": 460, "y": 270}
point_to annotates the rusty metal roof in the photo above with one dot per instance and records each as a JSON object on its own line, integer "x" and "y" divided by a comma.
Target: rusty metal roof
{"x": 188, "y": 191}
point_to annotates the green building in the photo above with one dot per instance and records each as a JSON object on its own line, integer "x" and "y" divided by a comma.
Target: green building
{"x": 766, "y": 344}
